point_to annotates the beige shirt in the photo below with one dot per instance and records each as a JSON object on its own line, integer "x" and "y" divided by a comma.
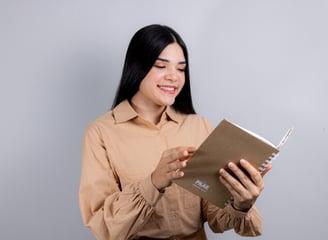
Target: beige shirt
{"x": 117, "y": 197}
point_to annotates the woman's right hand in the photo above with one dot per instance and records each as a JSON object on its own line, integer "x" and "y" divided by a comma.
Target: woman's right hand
{"x": 173, "y": 160}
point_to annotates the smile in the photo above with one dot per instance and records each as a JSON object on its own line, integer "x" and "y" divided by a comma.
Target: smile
{"x": 168, "y": 89}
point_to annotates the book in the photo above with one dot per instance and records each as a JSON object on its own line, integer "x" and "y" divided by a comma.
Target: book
{"x": 228, "y": 142}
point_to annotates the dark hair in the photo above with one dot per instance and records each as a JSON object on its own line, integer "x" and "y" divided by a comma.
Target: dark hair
{"x": 143, "y": 50}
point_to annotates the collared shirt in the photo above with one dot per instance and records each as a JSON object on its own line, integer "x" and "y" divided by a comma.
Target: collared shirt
{"x": 117, "y": 197}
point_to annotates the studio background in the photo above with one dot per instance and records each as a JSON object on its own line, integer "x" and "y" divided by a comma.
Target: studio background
{"x": 262, "y": 64}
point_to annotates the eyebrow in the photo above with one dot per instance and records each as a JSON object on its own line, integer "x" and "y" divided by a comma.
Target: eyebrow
{"x": 166, "y": 60}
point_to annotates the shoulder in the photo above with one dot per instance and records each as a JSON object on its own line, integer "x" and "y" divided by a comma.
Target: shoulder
{"x": 196, "y": 118}
{"x": 99, "y": 124}
{"x": 193, "y": 120}
{"x": 196, "y": 122}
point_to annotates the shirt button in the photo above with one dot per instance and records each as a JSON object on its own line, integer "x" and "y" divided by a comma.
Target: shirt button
{"x": 175, "y": 215}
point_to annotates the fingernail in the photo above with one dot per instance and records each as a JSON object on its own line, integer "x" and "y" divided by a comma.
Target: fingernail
{"x": 222, "y": 171}
{"x": 243, "y": 161}
{"x": 230, "y": 165}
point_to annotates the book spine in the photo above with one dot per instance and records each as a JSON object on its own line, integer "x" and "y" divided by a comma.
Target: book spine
{"x": 267, "y": 162}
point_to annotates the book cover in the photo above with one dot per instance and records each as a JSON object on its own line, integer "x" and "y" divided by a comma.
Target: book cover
{"x": 227, "y": 143}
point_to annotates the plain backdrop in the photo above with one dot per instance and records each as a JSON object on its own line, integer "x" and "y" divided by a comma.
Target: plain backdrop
{"x": 259, "y": 63}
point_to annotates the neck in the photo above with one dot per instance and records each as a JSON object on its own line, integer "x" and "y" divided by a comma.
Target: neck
{"x": 150, "y": 113}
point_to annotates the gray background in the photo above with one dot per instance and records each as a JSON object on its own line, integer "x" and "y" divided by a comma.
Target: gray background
{"x": 262, "y": 64}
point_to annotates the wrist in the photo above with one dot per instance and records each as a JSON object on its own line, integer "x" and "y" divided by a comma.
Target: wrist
{"x": 241, "y": 209}
{"x": 156, "y": 185}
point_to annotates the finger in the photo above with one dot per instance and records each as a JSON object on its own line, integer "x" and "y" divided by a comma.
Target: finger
{"x": 176, "y": 165}
{"x": 227, "y": 184}
{"x": 244, "y": 197}
{"x": 267, "y": 169}
{"x": 185, "y": 152}
{"x": 179, "y": 153}
{"x": 231, "y": 182}
{"x": 176, "y": 169}
{"x": 253, "y": 173}
{"x": 240, "y": 175}
{"x": 176, "y": 174}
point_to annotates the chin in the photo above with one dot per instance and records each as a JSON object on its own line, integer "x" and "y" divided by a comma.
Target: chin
{"x": 169, "y": 103}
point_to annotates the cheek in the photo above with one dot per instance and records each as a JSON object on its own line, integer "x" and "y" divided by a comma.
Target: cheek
{"x": 146, "y": 83}
{"x": 182, "y": 82}
{"x": 181, "y": 85}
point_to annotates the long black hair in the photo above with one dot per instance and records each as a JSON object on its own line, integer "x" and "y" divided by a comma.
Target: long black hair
{"x": 143, "y": 50}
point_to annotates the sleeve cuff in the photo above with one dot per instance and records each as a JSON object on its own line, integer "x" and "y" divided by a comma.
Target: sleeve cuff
{"x": 149, "y": 191}
{"x": 236, "y": 213}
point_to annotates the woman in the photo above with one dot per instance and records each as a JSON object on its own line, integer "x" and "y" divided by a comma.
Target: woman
{"x": 132, "y": 153}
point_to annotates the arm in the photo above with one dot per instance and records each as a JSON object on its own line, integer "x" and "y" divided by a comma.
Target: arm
{"x": 242, "y": 214}
{"x": 109, "y": 211}
{"x": 244, "y": 223}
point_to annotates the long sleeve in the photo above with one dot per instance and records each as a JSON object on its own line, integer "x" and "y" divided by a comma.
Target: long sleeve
{"x": 109, "y": 211}
{"x": 244, "y": 223}
{"x": 117, "y": 197}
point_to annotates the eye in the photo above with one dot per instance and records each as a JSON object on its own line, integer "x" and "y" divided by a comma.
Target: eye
{"x": 159, "y": 66}
{"x": 181, "y": 68}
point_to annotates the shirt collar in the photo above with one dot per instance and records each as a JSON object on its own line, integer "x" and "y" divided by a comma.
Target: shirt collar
{"x": 173, "y": 114}
{"x": 124, "y": 112}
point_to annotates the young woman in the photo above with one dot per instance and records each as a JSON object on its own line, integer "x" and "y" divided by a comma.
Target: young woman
{"x": 132, "y": 153}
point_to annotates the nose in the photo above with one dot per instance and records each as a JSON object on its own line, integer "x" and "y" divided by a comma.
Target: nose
{"x": 171, "y": 75}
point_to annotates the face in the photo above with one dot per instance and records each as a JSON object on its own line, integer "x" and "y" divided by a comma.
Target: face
{"x": 165, "y": 79}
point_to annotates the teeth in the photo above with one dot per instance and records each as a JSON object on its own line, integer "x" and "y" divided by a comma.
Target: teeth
{"x": 168, "y": 88}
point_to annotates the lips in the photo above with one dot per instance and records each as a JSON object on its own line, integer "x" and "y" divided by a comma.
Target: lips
{"x": 168, "y": 89}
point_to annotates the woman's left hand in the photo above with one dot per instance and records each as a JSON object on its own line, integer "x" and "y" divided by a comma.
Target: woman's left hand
{"x": 246, "y": 189}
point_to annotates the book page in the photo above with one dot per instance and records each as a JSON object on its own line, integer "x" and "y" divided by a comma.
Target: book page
{"x": 281, "y": 143}
{"x": 257, "y": 136}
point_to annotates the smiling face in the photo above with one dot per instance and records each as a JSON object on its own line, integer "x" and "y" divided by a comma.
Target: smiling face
{"x": 164, "y": 81}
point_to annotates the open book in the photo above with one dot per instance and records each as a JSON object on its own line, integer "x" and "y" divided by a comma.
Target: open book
{"x": 228, "y": 142}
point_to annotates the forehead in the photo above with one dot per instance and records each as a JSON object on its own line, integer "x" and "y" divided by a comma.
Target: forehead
{"x": 172, "y": 52}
